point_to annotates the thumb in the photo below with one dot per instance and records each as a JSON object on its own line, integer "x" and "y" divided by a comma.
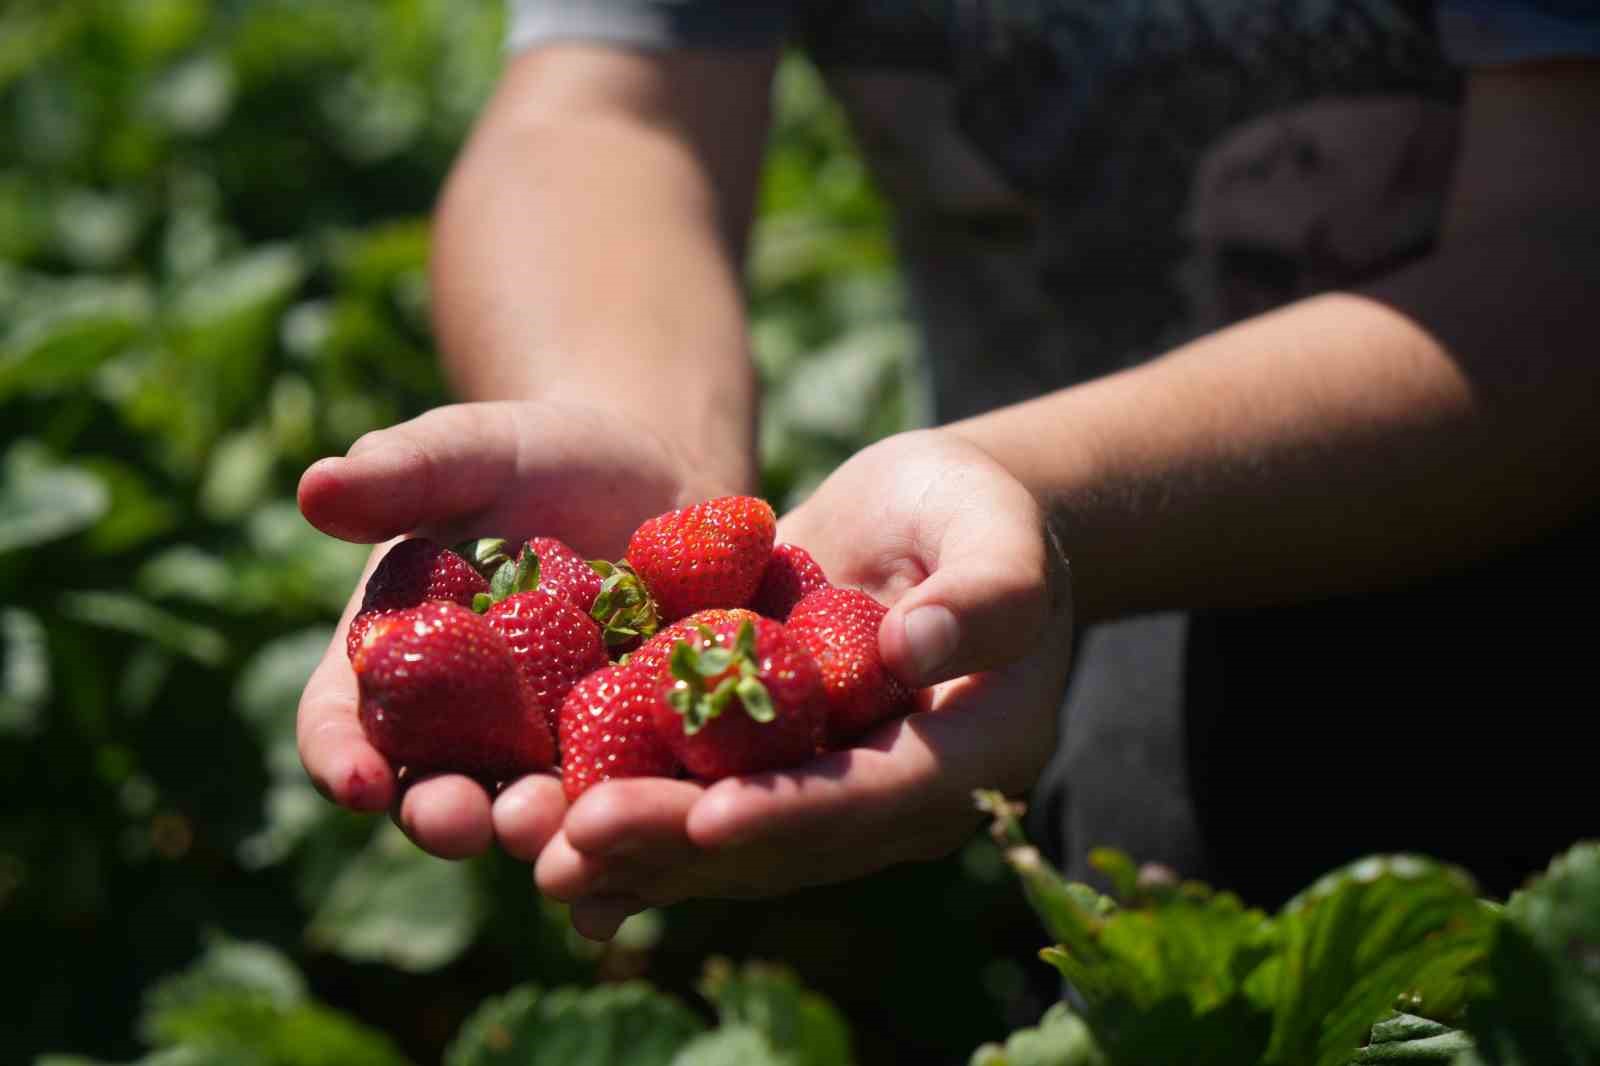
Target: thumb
{"x": 997, "y": 586}
{"x": 433, "y": 470}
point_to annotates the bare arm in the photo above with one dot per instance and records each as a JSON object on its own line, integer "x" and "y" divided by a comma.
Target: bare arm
{"x": 588, "y": 244}
{"x": 1355, "y": 438}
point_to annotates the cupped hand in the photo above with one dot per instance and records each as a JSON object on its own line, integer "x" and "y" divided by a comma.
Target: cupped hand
{"x": 503, "y": 469}
{"x": 979, "y": 610}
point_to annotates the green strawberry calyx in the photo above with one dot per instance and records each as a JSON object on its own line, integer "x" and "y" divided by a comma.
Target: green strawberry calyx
{"x": 485, "y": 554}
{"x": 510, "y": 579}
{"x": 697, "y": 700}
{"x": 623, "y": 608}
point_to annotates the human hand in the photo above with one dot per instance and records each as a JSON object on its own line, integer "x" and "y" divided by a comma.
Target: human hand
{"x": 979, "y": 608}
{"x": 507, "y": 469}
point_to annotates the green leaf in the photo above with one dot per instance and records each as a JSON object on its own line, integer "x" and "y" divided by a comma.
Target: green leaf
{"x": 1060, "y": 1039}
{"x": 1545, "y": 969}
{"x": 238, "y": 476}
{"x": 266, "y": 695}
{"x": 486, "y": 554}
{"x": 67, "y": 330}
{"x": 613, "y": 1025}
{"x": 395, "y": 904}
{"x": 1407, "y": 1038}
{"x": 1359, "y": 938}
{"x": 245, "y": 1002}
{"x": 757, "y": 702}
{"x": 129, "y": 614}
{"x": 227, "y": 966}
{"x": 797, "y": 1023}
{"x": 733, "y": 1045}
{"x": 41, "y": 500}
{"x": 24, "y": 672}
{"x": 186, "y": 572}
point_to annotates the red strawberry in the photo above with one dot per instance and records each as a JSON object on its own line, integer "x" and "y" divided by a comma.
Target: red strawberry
{"x": 440, "y": 691}
{"x": 653, "y": 655}
{"x": 607, "y": 730}
{"x": 746, "y": 699}
{"x": 839, "y": 627}
{"x": 790, "y": 574}
{"x": 565, "y": 573}
{"x": 554, "y": 644}
{"x": 413, "y": 572}
{"x": 709, "y": 555}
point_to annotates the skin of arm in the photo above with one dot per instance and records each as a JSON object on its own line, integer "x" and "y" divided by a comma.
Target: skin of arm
{"x": 589, "y": 242}
{"x": 1357, "y": 438}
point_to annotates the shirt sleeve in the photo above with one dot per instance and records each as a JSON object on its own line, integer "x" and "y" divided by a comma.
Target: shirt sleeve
{"x": 651, "y": 23}
{"x": 1499, "y": 32}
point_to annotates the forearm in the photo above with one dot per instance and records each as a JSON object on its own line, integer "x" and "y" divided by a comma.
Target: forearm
{"x": 1354, "y": 439}
{"x": 587, "y": 250}
{"x": 1329, "y": 447}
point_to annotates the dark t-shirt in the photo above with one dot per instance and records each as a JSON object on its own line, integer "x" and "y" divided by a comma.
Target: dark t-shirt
{"x": 1082, "y": 184}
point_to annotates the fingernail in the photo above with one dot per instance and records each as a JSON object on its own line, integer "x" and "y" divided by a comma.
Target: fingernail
{"x": 932, "y": 634}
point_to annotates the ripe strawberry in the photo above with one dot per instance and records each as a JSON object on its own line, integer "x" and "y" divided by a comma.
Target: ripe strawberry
{"x": 745, "y": 699}
{"x": 791, "y": 573}
{"x": 554, "y": 644}
{"x": 413, "y": 572}
{"x": 709, "y": 555}
{"x": 565, "y": 573}
{"x": 652, "y": 656}
{"x": 440, "y": 691}
{"x": 839, "y": 627}
{"x": 607, "y": 730}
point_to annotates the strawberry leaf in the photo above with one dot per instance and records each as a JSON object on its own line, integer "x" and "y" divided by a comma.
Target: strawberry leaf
{"x": 627, "y": 1024}
{"x": 623, "y": 607}
{"x": 1545, "y": 967}
{"x": 757, "y": 701}
{"x": 486, "y": 554}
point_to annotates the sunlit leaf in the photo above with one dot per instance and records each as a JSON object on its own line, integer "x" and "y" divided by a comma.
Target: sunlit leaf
{"x": 796, "y": 1022}
{"x": 129, "y": 614}
{"x": 41, "y": 500}
{"x": 612, "y": 1025}
{"x": 68, "y": 330}
{"x": 394, "y": 903}
{"x": 24, "y": 672}
{"x": 1060, "y": 1039}
{"x": 733, "y": 1045}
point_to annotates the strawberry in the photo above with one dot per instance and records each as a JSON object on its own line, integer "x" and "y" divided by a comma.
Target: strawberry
{"x": 607, "y": 730}
{"x": 439, "y": 690}
{"x": 653, "y": 656}
{"x": 745, "y": 699}
{"x": 711, "y": 554}
{"x": 839, "y": 627}
{"x": 565, "y": 573}
{"x": 413, "y": 572}
{"x": 554, "y": 645}
{"x": 790, "y": 574}
{"x": 553, "y": 642}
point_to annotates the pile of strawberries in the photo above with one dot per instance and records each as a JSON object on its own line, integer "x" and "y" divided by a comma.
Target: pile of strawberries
{"x": 735, "y": 655}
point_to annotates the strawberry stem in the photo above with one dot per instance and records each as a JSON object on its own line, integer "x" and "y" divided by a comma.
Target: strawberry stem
{"x": 695, "y": 667}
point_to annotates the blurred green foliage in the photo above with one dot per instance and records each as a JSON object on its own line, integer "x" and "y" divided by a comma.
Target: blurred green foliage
{"x": 212, "y": 246}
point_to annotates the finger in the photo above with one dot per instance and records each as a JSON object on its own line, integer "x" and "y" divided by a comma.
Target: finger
{"x": 599, "y": 918}
{"x": 447, "y": 816}
{"x": 987, "y": 596}
{"x": 527, "y": 814}
{"x": 637, "y": 818}
{"x": 343, "y": 765}
{"x": 842, "y": 796}
{"x": 435, "y": 469}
